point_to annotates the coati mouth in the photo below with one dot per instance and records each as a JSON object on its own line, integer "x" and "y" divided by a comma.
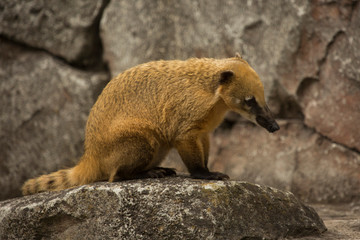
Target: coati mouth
{"x": 269, "y": 124}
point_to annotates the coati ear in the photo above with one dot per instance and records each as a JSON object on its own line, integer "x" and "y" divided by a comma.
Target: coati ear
{"x": 238, "y": 55}
{"x": 225, "y": 77}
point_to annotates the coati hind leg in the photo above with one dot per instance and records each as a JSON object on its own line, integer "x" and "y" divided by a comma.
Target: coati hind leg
{"x": 156, "y": 172}
{"x": 135, "y": 157}
{"x": 194, "y": 151}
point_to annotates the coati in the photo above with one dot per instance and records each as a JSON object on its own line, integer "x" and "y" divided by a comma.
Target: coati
{"x": 153, "y": 107}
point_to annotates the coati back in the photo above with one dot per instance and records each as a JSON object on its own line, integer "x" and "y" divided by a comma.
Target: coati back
{"x": 149, "y": 109}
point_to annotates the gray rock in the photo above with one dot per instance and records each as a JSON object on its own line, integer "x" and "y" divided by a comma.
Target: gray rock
{"x": 341, "y": 220}
{"x": 170, "y": 208}
{"x": 68, "y": 29}
{"x": 323, "y": 72}
{"x": 44, "y": 107}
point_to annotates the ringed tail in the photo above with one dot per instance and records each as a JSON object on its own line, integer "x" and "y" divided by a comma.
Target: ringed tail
{"x": 63, "y": 179}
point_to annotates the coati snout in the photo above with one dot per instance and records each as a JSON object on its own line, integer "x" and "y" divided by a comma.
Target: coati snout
{"x": 263, "y": 115}
{"x": 268, "y": 123}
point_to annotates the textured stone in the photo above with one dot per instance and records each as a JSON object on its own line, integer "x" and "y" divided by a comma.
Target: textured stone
{"x": 170, "y": 208}
{"x": 341, "y": 220}
{"x": 331, "y": 105}
{"x": 68, "y": 29}
{"x": 44, "y": 107}
{"x": 324, "y": 71}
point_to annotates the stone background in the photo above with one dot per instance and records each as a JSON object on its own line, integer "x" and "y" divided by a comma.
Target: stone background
{"x": 56, "y": 56}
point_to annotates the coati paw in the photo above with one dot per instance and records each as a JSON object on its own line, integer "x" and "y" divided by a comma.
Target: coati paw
{"x": 210, "y": 176}
{"x": 158, "y": 172}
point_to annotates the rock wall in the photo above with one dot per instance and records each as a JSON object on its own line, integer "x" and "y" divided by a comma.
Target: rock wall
{"x": 44, "y": 99}
{"x": 306, "y": 53}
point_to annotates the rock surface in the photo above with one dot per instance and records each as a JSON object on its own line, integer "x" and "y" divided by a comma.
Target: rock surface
{"x": 323, "y": 72}
{"x": 341, "y": 220}
{"x": 171, "y": 208}
{"x": 44, "y": 107}
{"x": 68, "y": 29}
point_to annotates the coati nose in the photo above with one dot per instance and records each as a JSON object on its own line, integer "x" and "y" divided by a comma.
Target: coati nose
{"x": 268, "y": 123}
{"x": 274, "y": 127}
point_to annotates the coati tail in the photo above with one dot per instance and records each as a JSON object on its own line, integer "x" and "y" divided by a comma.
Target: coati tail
{"x": 87, "y": 171}
{"x": 52, "y": 182}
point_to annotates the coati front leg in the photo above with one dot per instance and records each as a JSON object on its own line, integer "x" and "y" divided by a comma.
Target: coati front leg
{"x": 194, "y": 151}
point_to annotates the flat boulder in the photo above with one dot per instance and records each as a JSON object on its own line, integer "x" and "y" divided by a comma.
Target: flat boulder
{"x": 170, "y": 208}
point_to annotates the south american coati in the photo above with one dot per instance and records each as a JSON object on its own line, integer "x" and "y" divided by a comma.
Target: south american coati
{"x": 148, "y": 109}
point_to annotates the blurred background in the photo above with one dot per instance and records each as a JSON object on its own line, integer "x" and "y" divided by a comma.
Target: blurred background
{"x": 56, "y": 56}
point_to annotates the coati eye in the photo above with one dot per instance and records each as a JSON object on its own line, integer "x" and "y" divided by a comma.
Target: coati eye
{"x": 250, "y": 101}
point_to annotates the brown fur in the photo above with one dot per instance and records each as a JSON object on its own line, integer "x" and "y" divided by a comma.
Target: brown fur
{"x": 149, "y": 109}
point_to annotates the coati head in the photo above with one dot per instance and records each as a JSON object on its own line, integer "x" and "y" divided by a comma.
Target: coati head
{"x": 243, "y": 92}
